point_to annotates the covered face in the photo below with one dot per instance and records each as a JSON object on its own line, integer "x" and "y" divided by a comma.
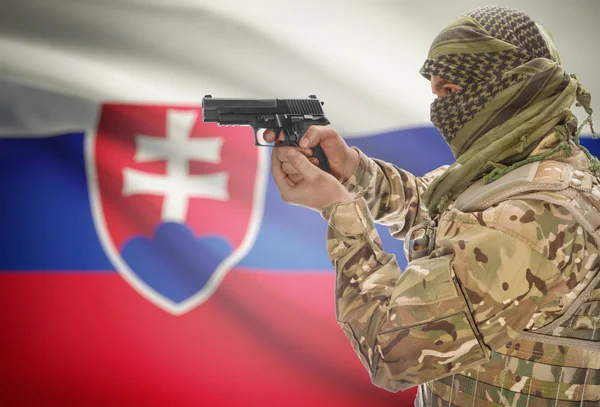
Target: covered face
{"x": 513, "y": 94}
{"x": 504, "y": 62}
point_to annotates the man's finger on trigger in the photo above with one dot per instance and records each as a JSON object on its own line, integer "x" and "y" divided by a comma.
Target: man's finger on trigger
{"x": 314, "y": 161}
{"x": 269, "y": 135}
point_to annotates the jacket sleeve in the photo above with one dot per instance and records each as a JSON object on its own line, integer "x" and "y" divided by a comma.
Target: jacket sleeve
{"x": 445, "y": 312}
{"x": 392, "y": 194}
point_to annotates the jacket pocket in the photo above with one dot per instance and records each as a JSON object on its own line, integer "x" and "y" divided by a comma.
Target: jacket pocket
{"x": 429, "y": 332}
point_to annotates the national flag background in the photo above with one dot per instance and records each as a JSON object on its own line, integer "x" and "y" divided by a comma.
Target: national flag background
{"x": 75, "y": 328}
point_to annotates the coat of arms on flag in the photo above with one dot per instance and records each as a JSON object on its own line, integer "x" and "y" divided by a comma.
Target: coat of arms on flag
{"x": 176, "y": 202}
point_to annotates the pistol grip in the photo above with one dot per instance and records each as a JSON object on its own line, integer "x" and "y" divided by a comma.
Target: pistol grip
{"x": 320, "y": 155}
{"x": 298, "y": 130}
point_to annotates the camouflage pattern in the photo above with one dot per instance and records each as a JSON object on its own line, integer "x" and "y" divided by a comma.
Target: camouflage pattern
{"x": 395, "y": 202}
{"x": 453, "y": 322}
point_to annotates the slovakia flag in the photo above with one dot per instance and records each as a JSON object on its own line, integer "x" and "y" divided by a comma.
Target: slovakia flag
{"x": 146, "y": 256}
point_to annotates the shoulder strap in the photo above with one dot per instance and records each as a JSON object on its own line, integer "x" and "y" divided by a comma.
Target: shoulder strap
{"x": 552, "y": 181}
{"x": 537, "y": 176}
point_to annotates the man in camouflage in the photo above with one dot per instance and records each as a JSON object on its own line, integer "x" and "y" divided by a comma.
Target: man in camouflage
{"x": 500, "y": 301}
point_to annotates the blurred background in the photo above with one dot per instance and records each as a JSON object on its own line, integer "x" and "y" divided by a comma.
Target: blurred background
{"x": 123, "y": 281}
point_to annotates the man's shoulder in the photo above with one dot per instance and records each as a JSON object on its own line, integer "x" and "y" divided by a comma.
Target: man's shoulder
{"x": 544, "y": 226}
{"x": 536, "y": 219}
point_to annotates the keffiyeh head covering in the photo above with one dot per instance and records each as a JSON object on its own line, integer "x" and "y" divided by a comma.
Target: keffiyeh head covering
{"x": 514, "y": 92}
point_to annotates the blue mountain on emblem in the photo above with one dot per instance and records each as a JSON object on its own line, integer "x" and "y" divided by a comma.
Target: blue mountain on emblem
{"x": 175, "y": 263}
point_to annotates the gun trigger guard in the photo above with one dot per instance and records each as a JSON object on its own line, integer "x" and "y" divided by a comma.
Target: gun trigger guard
{"x": 300, "y": 128}
{"x": 256, "y": 138}
{"x": 256, "y": 130}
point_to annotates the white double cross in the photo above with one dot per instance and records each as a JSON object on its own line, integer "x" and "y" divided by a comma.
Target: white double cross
{"x": 177, "y": 149}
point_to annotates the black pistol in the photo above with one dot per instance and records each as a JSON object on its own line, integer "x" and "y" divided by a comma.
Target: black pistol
{"x": 292, "y": 116}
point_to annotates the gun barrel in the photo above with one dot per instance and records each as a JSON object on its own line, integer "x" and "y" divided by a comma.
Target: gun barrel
{"x": 215, "y": 108}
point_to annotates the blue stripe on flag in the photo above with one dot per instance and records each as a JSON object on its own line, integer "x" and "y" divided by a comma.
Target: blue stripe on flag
{"x": 46, "y": 218}
{"x": 47, "y": 222}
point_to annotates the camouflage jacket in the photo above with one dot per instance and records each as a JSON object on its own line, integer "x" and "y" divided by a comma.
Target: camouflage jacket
{"x": 514, "y": 266}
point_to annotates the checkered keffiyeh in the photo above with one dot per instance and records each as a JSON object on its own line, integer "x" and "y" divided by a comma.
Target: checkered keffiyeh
{"x": 514, "y": 93}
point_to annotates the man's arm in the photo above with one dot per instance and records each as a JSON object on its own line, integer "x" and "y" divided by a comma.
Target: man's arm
{"x": 445, "y": 313}
{"x": 392, "y": 194}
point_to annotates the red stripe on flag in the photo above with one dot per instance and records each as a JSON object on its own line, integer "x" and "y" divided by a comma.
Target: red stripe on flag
{"x": 71, "y": 339}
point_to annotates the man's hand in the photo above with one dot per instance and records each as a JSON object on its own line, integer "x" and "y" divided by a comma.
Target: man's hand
{"x": 342, "y": 159}
{"x": 316, "y": 189}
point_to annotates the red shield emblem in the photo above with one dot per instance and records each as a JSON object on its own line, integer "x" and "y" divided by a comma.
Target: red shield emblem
{"x": 177, "y": 202}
